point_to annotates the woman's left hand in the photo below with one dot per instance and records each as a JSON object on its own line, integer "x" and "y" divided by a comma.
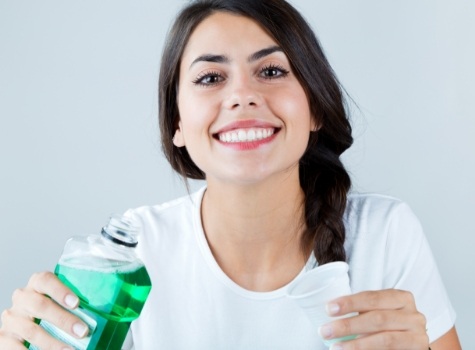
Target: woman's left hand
{"x": 388, "y": 319}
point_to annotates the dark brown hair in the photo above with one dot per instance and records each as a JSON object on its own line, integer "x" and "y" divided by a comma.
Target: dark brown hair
{"x": 323, "y": 177}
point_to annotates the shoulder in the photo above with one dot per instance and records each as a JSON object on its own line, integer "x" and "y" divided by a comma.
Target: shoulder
{"x": 382, "y": 227}
{"x": 377, "y": 211}
{"x": 168, "y": 218}
{"x": 383, "y": 237}
{"x": 373, "y": 204}
{"x": 170, "y": 209}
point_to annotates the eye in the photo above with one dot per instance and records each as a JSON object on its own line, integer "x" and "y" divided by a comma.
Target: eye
{"x": 273, "y": 71}
{"x": 208, "y": 79}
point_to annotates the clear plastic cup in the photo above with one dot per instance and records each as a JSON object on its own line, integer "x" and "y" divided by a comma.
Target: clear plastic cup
{"x": 315, "y": 288}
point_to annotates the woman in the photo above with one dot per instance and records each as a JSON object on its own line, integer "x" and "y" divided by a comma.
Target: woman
{"x": 249, "y": 103}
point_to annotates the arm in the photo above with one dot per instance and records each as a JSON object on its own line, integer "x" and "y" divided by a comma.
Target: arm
{"x": 449, "y": 340}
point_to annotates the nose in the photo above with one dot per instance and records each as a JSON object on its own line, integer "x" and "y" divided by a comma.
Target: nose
{"x": 242, "y": 95}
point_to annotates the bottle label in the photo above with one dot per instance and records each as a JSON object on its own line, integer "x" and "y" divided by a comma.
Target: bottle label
{"x": 77, "y": 344}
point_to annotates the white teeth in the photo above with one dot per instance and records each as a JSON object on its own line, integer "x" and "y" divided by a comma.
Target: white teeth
{"x": 246, "y": 135}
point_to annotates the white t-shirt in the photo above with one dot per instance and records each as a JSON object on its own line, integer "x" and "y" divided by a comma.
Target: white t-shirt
{"x": 193, "y": 304}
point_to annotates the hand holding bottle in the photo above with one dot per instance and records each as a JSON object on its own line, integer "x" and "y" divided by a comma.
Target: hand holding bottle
{"x": 30, "y": 303}
{"x": 98, "y": 288}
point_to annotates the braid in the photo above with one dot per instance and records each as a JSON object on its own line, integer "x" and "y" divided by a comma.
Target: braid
{"x": 326, "y": 184}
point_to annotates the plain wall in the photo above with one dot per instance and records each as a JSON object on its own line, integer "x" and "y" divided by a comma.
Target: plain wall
{"x": 79, "y": 137}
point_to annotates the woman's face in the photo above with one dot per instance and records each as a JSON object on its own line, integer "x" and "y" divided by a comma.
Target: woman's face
{"x": 244, "y": 117}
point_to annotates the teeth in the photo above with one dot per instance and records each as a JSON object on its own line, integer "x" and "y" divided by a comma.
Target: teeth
{"x": 246, "y": 135}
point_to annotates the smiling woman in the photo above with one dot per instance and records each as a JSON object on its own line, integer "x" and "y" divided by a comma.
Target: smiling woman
{"x": 249, "y": 103}
{"x": 236, "y": 81}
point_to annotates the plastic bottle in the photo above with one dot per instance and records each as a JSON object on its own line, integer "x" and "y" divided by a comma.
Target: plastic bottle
{"x": 110, "y": 281}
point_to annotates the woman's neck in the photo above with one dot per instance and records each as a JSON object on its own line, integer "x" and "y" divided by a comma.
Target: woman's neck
{"x": 254, "y": 232}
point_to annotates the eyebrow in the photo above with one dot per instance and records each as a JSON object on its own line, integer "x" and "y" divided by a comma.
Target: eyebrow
{"x": 224, "y": 59}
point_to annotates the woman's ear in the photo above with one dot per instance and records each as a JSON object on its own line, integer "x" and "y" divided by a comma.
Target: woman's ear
{"x": 178, "y": 139}
{"x": 315, "y": 124}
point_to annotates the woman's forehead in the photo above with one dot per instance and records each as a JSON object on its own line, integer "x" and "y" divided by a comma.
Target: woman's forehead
{"x": 224, "y": 33}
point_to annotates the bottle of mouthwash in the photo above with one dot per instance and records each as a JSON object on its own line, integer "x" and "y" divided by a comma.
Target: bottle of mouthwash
{"x": 111, "y": 282}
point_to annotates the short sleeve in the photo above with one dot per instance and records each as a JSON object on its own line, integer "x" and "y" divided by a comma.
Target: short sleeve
{"x": 410, "y": 265}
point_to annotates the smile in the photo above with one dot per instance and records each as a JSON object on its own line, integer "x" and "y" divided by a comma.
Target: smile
{"x": 246, "y": 135}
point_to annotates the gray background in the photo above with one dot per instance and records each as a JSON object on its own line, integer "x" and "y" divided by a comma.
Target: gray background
{"x": 79, "y": 140}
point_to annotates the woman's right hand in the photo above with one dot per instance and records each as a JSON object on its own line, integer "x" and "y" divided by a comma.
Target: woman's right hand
{"x": 33, "y": 302}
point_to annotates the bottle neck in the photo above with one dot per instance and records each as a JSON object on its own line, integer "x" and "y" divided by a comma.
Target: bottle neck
{"x": 121, "y": 231}
{"x": 118, "y": 237}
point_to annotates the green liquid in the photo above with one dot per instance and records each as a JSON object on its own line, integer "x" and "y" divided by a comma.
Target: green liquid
{"x": 113, "y": 298}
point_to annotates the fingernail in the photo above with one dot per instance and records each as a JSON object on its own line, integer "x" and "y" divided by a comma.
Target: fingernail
{"x": 326, "y": 332}
{"x": 333, "y": 309}
{"x": 336, "y": 347}
{"x": 80, "y": 330}
{"x": 71, "y": 300}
